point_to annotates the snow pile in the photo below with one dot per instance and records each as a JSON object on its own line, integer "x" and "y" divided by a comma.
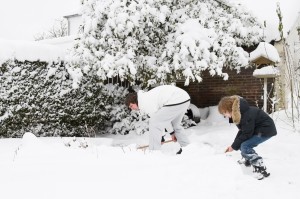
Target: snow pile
{"x": 214, "y": 117}
{"x": 29, "y": 139}
{"x": 29, "y": 51}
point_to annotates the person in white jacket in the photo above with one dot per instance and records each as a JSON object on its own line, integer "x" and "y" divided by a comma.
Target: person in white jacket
{"x": 166, "y": 106}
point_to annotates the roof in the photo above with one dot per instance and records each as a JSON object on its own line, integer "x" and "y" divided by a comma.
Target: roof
{"x": 72, "y": 15}
{"x": 63, "y": 43}
{"x": 265, "y": 50}
{"x": 30, "y": 51}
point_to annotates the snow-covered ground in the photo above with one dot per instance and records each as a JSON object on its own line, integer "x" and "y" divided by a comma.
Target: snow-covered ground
{"x": 111, "y": 167}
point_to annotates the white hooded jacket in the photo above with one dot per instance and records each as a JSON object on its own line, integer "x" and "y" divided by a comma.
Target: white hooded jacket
{"x": 150, "y": 102}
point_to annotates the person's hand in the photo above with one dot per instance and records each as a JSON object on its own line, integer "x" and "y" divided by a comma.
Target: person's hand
{"x": 229, "y": 149}
{"x": 173, "y": 137}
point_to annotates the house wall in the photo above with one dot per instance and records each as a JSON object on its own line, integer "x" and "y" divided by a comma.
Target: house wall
{"x": 293, "y": 41}
{"x": 74, "y": 23}
{"x": 212, "y": 89}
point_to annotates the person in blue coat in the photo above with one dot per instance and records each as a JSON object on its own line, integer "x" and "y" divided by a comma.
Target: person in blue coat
{"x": 255, "y": 127}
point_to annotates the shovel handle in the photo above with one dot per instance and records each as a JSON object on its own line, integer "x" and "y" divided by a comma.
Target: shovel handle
{"x": 145, "y": 146}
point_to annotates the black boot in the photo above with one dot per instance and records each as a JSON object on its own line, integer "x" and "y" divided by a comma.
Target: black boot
{"x": 179, "y": 152}
{"x": 163, "y": 139}
{"x": 261, "y": 172}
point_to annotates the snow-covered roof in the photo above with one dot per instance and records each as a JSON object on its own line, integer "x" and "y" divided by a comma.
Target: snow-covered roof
{"x": 64, "y": 43}
{"x": 266, "y": 72}
{"x": 73, "y": 13}
{"x": 30, "y": 51}
{"x": 265, "y": 50}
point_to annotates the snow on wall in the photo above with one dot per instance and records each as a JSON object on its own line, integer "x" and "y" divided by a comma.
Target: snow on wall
{"x": 30, "y": 51}
{"x": 265, "y": 50}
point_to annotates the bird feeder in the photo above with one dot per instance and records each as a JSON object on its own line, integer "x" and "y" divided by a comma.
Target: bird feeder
{"x": 265, "y": 54}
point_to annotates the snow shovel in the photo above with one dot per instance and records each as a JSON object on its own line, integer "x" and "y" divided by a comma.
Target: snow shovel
{"x": 145, "y": 146}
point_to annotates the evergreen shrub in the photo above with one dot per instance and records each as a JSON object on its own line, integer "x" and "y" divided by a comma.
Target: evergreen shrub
{"x": 38, "y": 97}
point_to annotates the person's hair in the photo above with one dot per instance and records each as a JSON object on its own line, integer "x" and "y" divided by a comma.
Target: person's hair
{"x": 131, "y": 98}
{"x": 225, "y": 104}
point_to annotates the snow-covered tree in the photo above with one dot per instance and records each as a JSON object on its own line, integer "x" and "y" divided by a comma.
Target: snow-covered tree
{"x": 159, "y": 41}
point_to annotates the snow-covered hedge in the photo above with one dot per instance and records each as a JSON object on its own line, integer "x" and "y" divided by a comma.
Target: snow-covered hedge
{"x": 38, "y": 97}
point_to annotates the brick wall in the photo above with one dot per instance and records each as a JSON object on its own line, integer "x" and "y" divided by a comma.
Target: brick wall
{"x": 212, "y": 89}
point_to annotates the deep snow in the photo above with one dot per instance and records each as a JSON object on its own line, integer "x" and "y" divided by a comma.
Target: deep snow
{"x": 111, "y": 167}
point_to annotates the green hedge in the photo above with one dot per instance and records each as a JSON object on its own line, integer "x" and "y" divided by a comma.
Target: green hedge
{"x": 38, "y": 97}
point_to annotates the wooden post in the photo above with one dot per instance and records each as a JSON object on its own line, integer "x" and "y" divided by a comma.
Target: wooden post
{"x": 265, "y": 94}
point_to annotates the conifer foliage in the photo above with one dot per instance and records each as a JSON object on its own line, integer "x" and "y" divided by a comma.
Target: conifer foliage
{"x": 38, "y": 97}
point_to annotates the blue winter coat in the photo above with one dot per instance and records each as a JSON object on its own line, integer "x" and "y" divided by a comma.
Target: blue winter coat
{"x": 250, "y": 121}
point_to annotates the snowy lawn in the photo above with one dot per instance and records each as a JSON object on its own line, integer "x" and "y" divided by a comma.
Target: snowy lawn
{"x": 111, "y": 167}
